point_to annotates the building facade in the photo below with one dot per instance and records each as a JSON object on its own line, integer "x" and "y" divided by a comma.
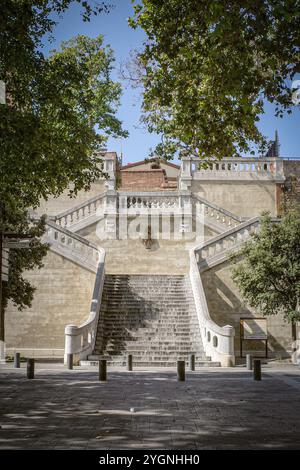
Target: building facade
{"x": 139, "y": 264}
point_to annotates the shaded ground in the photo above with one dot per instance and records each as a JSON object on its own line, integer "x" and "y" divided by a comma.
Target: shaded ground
{"x": 213, "y": 409}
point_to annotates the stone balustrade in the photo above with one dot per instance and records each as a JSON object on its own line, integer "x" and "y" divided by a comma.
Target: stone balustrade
{"x": 112, "y": 203}
{"x": 211, "y": 252}
{"x": 211, "y": 211}
{"x": 218, "y": 341}
{"x": 148, "y": 202}
{"x": 241, "y": 169}
{"x": 72, "y": 246}
{"x": 77, "y": 214}
{"x": 80, "y": 340}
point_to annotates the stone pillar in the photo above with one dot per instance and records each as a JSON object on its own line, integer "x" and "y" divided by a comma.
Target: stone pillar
{"x": 185, "y": 176}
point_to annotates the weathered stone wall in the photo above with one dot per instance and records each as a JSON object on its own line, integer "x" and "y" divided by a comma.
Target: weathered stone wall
{"x": 54, "y": 206}
{"x": 131, "y": 256}
{"x": 247, "y": 199}
{"x": 226, "y": 307}
{"x": 63, "y": 296}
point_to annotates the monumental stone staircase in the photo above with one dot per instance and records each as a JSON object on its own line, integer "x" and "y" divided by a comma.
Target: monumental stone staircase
{"x": 152, "y": 317}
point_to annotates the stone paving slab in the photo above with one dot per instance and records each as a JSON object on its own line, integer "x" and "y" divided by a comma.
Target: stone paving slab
{"x": 212, "y": 409}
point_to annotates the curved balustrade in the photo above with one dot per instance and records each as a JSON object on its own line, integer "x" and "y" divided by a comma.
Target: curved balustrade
{"x": 218, "y": 341}
{"x": 80, "y": 340}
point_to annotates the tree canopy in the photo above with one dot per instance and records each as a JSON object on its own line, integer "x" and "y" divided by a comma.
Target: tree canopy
{"x": 209, "y": 67}
{"x": 268, "y": 269}
{"x": 60, "y": 109}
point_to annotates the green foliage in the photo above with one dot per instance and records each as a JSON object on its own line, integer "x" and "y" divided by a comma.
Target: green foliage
{"x": 268, "y": 267}
{"x": 18, "y": 289}
{"x": 208, "y": 66}
{"x": 60, "y": 110}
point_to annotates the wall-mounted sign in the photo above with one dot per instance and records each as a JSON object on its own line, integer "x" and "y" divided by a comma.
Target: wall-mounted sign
{"x": 255, "y": 328}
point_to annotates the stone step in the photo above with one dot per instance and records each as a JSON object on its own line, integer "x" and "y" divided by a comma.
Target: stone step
{"x": 93, "y": 361}
{"x": 151, "y": 317}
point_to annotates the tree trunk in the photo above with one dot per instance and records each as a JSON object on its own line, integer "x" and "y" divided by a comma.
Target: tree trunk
{"x": 294, "y": 343}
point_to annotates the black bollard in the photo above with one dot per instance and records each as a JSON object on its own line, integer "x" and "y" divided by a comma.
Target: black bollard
{"x": 102, "y": 370}
{"x": 249, "y": 361}
{"x": 70, "y": 361}
{"x": 30, "y": 368}
{"x": 17, "y": 361}
{"x": 129, "y": 362}
{"x": 192, "y": 361}
{"x": 257, "y": 369}
{"x": 181, "y": 371}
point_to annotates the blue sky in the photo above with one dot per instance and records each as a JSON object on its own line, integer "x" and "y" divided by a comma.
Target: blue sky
{"x": 123, "y": 39}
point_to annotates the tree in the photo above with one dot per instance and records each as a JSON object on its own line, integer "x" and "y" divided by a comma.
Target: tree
{"x": 18, "y": 289}
{"x": 267, "y": 270}
{"x": 209, "y": 66}
{"x": 60, "y": 109}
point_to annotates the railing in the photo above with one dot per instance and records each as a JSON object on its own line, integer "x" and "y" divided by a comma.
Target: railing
{"x": 216, "y": 248}
{"x": 218, "y": 214}
{"x": 81, "y": 212}
{"x": 148, "y": 202}
{"x": 80, "y": 340}
{"x": 243, "y": 168}
{"x": 72, "y": 246}
{"x": 218, "y": 341}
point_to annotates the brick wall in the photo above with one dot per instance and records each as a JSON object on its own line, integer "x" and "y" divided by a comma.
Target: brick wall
{"x": 143, "y": 179}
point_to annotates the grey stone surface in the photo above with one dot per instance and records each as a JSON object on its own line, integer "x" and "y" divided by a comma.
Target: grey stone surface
{"x": 151, "y": 317}
{"x": 213, "y": 409}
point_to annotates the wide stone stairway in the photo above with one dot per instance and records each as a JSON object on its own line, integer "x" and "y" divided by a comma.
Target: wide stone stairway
{"x": 152, "y": 317}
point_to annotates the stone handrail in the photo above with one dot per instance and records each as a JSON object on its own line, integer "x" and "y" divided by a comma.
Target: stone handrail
{"x": 71, "y": 246}
{"x": 221, "y": 216}
{"x": 80, "y": 340}
{"x": 216, "y": 248}
{"x": 218, "y": 341}
{"x": 80, "y": 212}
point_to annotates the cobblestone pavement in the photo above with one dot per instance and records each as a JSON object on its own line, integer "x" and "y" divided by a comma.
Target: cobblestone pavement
{"x": 213, "y": 409}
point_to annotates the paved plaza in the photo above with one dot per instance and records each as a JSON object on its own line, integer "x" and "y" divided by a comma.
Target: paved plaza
{"x": 149, "y": 409}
